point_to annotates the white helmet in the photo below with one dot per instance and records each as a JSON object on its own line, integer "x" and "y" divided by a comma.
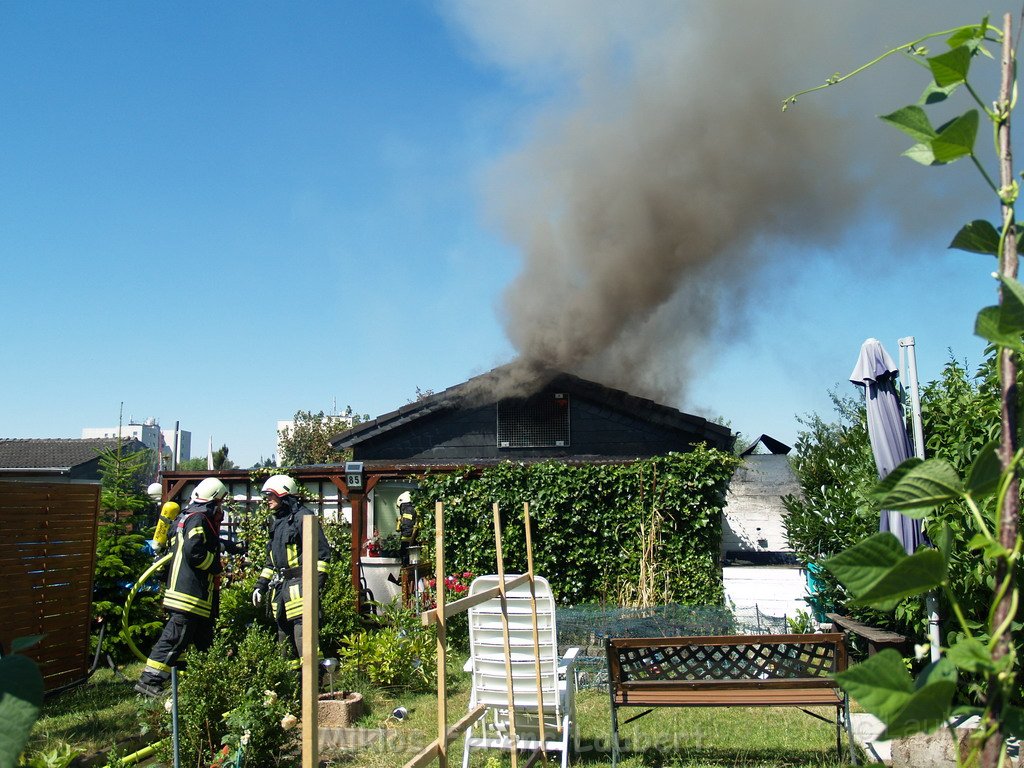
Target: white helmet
{"x": 280, "y": 485}
{"x": 155, "y": 491}
{"x": 211, "y": 489}
{"x": 404, "y": 498}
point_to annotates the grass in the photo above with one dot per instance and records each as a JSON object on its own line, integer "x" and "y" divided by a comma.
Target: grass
{"x": 104, "y": 712}
{"x": 92, "y": 717}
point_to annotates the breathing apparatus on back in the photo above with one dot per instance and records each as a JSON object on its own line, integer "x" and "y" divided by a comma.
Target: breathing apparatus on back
{"x": 168, "y": 512}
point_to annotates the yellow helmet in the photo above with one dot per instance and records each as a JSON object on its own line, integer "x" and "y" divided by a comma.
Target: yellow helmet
{"x": 280, "y": 485}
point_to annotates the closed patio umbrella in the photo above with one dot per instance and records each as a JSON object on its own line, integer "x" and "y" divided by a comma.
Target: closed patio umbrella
{"x": 887, "y": 431}
{"x": 890, "y": 445}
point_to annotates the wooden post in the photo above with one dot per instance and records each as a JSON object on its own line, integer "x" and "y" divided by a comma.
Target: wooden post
{"x": 442, "y": 693}
{"x": 500, "y": 557}
{"x": 536, "y": 635}
{"x": 310, "y": 633}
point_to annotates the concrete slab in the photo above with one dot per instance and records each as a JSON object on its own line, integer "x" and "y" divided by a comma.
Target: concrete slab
{"x": 866, "y": 730}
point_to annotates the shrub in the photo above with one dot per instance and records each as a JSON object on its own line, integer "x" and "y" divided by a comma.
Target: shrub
{"x": 837, "y": 473}
{"x": 236, "y": 695}
{"x": 400, "y": 653}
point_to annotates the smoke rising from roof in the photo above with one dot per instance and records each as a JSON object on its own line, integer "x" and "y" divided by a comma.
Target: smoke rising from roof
{"x": 646, "y": 202}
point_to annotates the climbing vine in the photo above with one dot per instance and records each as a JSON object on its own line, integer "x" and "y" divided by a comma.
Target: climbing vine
{"x": 641, "y": 533}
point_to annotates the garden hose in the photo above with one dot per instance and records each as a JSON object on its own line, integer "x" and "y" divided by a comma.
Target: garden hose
{"x": 157, "y": 565}
{"x": 141, "y": 755}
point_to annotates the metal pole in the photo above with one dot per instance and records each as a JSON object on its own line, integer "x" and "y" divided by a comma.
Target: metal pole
{"x": 177, "y": 446}
{"x": 310, "y": 636}
{"x": 907, "y": 343}
{"x": 174, "y": 716}
{"x": 931, "y": 601}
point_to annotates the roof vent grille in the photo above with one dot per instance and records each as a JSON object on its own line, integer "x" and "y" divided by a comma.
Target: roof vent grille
{"x": 538, "y": 421}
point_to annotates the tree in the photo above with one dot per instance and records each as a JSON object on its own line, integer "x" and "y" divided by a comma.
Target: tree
{"x": 199, "y": 463}
{"x": 308, "y": 441}
{"x": 221, "y": 460}
{"x": 121, "y": 552}
{"x": 877, "y": 571}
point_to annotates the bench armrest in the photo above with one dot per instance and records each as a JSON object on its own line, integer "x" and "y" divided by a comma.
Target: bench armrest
{"x": 568, "y": 659}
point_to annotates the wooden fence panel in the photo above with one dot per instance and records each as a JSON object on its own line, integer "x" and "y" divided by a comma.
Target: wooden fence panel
{"x": 47, "y": 559}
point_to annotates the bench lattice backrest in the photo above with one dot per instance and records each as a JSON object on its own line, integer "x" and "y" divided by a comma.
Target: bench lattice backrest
{"x": 741, "y": 657}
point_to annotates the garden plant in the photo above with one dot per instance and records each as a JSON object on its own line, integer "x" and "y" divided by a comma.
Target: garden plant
{"x": 877, "y": 571}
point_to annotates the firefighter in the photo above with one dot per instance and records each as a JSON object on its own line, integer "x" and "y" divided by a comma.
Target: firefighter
{"x": 284, "y": 562}
{"x": 190, "y": 595}
{"x": 406, "y": 525}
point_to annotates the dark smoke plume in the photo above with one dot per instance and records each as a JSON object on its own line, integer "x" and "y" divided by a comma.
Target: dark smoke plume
{"x": 647, "y": 200}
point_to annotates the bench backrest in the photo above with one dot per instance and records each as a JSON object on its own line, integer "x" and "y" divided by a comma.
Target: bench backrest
{"x": 808, "y": 658}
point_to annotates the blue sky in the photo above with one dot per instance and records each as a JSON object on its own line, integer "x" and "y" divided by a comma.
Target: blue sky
{"x": 223, "y": 213}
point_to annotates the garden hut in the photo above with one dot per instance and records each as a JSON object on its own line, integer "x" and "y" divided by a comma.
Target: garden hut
{"x": 495, "y": 417}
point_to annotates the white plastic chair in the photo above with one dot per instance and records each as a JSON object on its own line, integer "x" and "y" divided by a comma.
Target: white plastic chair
{"x": 490, "y": 685}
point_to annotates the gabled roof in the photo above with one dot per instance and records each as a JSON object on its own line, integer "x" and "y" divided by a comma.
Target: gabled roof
{"x": 56, "y": 454}
{"x": 494, "y": 385}
{"x": 776, "y": 447}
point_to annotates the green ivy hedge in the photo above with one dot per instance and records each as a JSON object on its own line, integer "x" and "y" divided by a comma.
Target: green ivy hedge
{"x": 638, "y": 533}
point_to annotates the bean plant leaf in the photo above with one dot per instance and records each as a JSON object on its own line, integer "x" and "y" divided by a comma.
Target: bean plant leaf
{"x": 930, "y": 705}
{"x": 913, "y": 121}
{"x": 950, "y": 68}
{"x": 943, "y": 541}
{"x": 887, "y": 483}
{"x": 20, "y": 644}
{"x": 882, "y": 685}
{"x": 21, "y": 700}
{"x": 956, "y": 138}
{"x": 977, "y": 237}
{"x": 988, "y": 325}
{"x": 971, "y": 36}
{"x": 1004, "y": 323}
{"x": 970, "y": 655}
{"x": 986, "y": 472}
{"x": 934, "y": 94}
{"x": 878, "y": 572}
{"x": 921, "y": 488}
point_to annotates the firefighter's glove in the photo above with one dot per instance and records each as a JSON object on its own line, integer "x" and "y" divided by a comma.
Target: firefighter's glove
{"x": 257, "y": 595}
{"x": 234, "y": 547}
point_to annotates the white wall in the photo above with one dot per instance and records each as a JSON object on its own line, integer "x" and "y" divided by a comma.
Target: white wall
{"x": 752, "y": 518}
{"x": 774, "y": 590}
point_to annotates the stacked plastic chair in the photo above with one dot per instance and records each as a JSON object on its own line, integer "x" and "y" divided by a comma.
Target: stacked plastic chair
{"x": 540, "y": 713}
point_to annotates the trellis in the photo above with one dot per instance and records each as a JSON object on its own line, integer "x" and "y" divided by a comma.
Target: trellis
{"x": 439, "y": 615}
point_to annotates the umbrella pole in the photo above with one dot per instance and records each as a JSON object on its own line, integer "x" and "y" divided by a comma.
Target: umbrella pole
{"x": 931, "y": 601}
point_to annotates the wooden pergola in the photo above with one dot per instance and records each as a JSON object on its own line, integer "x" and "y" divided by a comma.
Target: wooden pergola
{"x": 177, "y": 484}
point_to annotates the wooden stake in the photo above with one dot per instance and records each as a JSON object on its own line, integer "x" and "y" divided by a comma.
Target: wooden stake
{"x": 310, "y": 632}
{"x": 536, "y": 634}
{"x": 500, "y": 557}
{"x": 442, "y": 694}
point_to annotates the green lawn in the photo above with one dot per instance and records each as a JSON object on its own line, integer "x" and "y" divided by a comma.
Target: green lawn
{"x": 103, "y": 713}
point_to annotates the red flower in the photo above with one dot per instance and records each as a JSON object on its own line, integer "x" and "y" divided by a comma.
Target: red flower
{"x": 460, "y": 587}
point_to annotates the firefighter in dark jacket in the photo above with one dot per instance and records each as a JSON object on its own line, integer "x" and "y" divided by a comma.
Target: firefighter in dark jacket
{"x": 284, "y": 561}
{"x": 189, "y": 597}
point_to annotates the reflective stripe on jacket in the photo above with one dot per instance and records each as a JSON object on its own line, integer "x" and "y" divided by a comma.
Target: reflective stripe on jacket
{"x": 284, "y": 550}
{"x": 196, "y": 557}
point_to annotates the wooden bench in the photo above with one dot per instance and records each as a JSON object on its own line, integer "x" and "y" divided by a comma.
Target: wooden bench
{"x": 876, "y": 639}
{"x": 728, "y": 671}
